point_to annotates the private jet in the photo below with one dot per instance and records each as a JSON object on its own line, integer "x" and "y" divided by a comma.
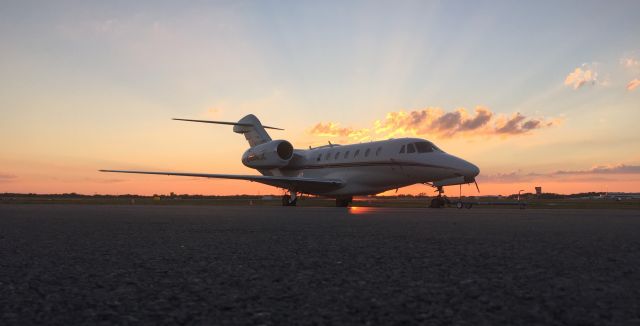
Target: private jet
{"x": 340, "y": 171}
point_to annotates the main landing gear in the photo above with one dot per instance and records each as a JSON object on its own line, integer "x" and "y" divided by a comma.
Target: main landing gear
{"x": 440, "y": 201}
{"x": 290, "y": 199}
{"x": 344, "y": 201}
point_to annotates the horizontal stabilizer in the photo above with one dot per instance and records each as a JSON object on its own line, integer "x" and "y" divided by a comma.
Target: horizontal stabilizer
{"x": 227, "y": 123}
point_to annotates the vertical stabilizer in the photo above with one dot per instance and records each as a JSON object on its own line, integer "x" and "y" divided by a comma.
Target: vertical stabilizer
{"x": 253, "y": 130}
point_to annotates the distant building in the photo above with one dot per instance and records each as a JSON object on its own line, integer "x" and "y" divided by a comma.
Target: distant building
{"x": 538, "y": 191}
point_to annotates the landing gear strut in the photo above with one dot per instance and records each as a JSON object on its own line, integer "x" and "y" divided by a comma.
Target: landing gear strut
{"x": 290, "y": 199}
{"x": 343, "y": 202}
{"x": 440, "y": 201}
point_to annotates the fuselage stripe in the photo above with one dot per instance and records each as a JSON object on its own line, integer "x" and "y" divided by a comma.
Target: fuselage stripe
{"x": 364, "y": 164}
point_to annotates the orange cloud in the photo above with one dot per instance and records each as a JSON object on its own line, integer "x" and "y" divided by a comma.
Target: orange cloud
{"x": 433, "y": 120}
{"x": 633, "y": 84}
{"x": 331, "y": 129}
{"x": 436, "y": 122}
{"x": 519, "y": 124}
{"x": 586, "y": 74}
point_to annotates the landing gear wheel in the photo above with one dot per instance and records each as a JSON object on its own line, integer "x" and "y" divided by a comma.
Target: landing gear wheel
{"x": 437, "y": 202}
{"x": 286, "y": 201}
{"x": 343, "y": 202}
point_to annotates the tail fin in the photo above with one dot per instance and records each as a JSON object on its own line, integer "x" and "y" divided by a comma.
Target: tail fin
{"x": 250, "y": 126}
{"x": 252, "y": 129}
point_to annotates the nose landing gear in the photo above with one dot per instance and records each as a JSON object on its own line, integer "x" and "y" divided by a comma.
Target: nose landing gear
{"x": 440, "y": 201}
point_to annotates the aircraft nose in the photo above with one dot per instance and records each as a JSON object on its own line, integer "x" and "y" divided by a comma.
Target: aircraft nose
{"x": 468, "y": 170}
{"x": 473, "y": 170}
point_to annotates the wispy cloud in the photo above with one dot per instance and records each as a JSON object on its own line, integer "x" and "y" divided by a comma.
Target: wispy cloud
{"x": 607, "y": 169}
{"x": 633, "y": 84}
{"x": 104, "y": 180}
{"x": 631, "y": 63}
{"x": 601, "y": 170}
{"x": 630, "y": 60}
{"x": 438, "y": 123}
{"x": 583, "y": 75}
{"x": 7, "y": 177}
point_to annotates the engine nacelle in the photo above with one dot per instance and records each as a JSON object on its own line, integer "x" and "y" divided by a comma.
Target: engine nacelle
{"x": 272, "y": 155}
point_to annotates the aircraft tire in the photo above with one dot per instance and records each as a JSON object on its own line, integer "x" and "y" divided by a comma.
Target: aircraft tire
{"x": 286, "y": 201}
{"x": 341, "y": 202}
{"x": 437, "y": 202}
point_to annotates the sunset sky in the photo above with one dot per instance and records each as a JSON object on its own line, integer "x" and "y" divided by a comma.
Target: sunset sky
{"x": 536, "y": 93}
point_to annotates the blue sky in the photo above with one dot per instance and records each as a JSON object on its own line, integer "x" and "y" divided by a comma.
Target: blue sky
{"x": 76, "y": 73}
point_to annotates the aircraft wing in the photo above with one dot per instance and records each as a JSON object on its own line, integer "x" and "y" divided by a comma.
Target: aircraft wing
{"x": 297, "y": 183}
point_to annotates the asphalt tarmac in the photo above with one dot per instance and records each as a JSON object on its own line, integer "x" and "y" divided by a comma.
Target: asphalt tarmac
{"x": 75, "y": 264}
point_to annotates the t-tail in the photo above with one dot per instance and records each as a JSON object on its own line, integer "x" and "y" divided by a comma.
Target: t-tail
{"x": 250, "y": 126}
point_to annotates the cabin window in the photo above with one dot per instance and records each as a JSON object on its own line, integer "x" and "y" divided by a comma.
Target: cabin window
{"x": 411, "y": 148}
{"x": 378, "y": 151}
{"x": 319, "y": 157}
{"x": 337, "y": 155}
{"x": 423, "y": 147}
{"x": 402, "y": 149}
{"x": 346, "y": 154}
{"x": 366, "y": 153}
{"x": 326, "y": 157}
{"x": 356, "y": 153}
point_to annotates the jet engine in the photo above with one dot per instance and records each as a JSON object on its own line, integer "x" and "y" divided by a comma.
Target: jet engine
{"x": 270, "y": 155}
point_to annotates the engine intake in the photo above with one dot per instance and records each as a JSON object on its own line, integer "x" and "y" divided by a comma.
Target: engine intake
{"x": 270, "y": 155}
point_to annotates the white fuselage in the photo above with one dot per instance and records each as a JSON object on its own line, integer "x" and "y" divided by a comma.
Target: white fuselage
{"x": 375, "y": 167}
{"x": 338, "y": 171}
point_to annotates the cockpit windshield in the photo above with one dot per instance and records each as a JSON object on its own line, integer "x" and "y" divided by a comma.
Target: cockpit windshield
{"x": 421, "y": 147}
{"x": 424, "y": 147}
